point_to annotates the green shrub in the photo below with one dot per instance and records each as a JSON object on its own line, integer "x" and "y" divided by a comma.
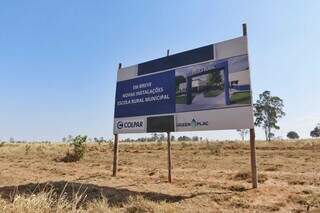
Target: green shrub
{"x": 2, "y": 144}
{"x": 78, "y": 149}
{"x": 27, "y": 149}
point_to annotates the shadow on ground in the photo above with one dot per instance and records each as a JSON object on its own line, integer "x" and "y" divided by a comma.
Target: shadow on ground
{"x": 89, "y": 192}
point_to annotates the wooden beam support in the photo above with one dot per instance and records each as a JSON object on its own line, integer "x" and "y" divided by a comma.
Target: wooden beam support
{"x": 253, "y": 159}
{"x": 169, "y": 158}
{"x": 115, "y": 147}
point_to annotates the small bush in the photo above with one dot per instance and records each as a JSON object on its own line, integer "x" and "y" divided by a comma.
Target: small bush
{"x": 78, "y": 149}
{"x": 110, "y": 144}
{"x": 27, "y": 149}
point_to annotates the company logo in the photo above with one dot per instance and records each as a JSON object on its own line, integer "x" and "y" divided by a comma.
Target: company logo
{"x": 120, "y": 125}
{"x": 194, "y": 123}
{"x": 129, "y": 124}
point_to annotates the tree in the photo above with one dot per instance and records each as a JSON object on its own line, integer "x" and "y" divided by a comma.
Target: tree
{"x": 161, "y": 137}
{"x": 154, "y": 137}
{"x": 99, "y": 140}
{"x": 64, "y": 139}
{"x": 184, "y": 138}
{"x": 179, "y": 80}
{"x": 69, "y": 139}
{"x": 215, "y": 79}
{"x": 292, "y": 135}
{"x": 243, "y": 133}
{"x": 315, "y": 132}
{"x": 268, "y": 110}
{"x": 195, "y": 138}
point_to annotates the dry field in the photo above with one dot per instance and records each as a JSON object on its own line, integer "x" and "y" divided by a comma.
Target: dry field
{"x": 207, "y": 177}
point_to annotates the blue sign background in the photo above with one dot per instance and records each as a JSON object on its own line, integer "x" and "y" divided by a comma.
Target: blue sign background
{"x": 164, "y": 80}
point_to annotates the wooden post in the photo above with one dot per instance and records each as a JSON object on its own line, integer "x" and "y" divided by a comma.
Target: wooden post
{"x": 115, "y": 149}
{"x": 252, "y": 138}
{"x": 244, "y": 29}
{"x": 169, "y": 157}
{"x": 253, "y": 159}
{"x": 169, "y": 147}
{"x": 115, "y": 156}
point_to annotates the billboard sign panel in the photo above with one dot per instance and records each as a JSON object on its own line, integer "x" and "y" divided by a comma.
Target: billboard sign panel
{"x": 207, "y": 88}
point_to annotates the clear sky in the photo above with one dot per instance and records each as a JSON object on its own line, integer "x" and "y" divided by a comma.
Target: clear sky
{"x": 58, "y": 59}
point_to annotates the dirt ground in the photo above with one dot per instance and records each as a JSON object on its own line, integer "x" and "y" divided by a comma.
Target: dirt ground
{"x": 207, "y": 177}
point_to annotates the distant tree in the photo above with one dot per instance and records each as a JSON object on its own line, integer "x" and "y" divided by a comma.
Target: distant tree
{"x": 64, "y": 139}
{"x": 179, "y": 80}
{"x": 127, "y": 140}
{"x": 243, "y": 133}
{"x": 173, "y": 138}
{"x": 267, "y": 111}
{"x": 69, "y": 139}
{"x": 292, "y": 135}
{"x": 161, "y": 137}
{"x": 141, "y": 140}
{"x": 315, "y": 132}
{"x": 99, "y": 140}
{"x": 184, "y": 138}
{"x": 154, "y": 137}
{"x": 11, "y": 140}
{"x": 195, "y": 138}
{"x": 215, "y": 79}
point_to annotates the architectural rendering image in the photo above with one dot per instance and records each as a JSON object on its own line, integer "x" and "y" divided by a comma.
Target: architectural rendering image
{"x": 213, "y": 85}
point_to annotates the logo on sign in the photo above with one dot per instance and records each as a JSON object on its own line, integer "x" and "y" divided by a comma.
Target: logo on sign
{"x": 120, "y": 125}
{"x": 129, "y": 124}
{"x": 193, "y": 123}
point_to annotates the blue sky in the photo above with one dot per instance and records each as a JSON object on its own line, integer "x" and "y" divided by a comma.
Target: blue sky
{"x": 58, "y": 59}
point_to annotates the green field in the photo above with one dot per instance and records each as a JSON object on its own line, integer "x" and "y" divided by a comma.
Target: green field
{"x": 241, "y": 98}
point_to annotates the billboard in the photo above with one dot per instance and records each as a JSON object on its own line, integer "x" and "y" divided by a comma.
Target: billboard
{"x": 207, "y": 88}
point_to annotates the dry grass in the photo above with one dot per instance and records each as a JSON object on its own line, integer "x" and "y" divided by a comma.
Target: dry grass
{"x": 208, "y": 177}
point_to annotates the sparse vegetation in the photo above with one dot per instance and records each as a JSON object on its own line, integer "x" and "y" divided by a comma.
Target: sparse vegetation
{"x": 49, "y": 201}
{"x": 215, "y": 148}
{"x": 27, "y": 148}
{"x": 77, "y": 151}
{"x": 207, "y": 177}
